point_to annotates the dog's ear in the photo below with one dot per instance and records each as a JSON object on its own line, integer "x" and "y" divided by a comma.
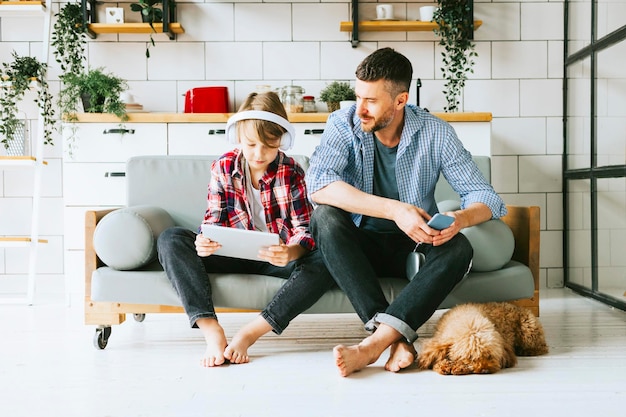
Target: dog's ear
{"x": 432, "y": 353}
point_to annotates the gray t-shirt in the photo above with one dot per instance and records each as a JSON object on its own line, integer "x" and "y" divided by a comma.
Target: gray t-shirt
{"x": 385, "y": 185}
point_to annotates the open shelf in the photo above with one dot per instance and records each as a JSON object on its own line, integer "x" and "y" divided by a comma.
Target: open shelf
{"x": 18, "y": 161}
{"x": 19, "y": 8}
{"x": 101, "y": 28}
{"x": 11, "y": 241}
{"x": 395, "y": 26}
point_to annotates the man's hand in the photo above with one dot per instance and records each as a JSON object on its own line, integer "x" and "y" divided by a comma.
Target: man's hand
{"x": 205, "y": 246}
{"x": 413, "y": 221}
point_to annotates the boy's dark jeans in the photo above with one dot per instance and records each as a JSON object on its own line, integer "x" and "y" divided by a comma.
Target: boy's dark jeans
{"x": 357, "y": 257}
{"x": 307, "y": 278}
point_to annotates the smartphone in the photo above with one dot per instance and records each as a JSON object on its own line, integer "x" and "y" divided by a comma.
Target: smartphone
{"x": 440, "y": 221}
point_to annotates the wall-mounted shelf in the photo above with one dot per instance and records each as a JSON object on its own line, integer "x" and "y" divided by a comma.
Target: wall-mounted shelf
{"x": 395, "y": 26}
{"x": 18, "y": 161}
{"x": 392, "y": 25}
{"x": 168, "y": 26}
{"x": 100, "y": 28}
{"x": 21, "y": 8}
{"x": 17, "y": 242}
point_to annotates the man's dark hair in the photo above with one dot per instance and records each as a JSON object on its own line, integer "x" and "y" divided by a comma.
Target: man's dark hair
{"x": 388, "y": 65}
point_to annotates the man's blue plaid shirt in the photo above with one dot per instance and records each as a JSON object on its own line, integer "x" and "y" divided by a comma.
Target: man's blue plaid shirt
{"x": 428, "y": 147}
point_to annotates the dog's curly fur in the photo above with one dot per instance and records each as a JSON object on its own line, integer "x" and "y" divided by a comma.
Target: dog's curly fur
{"x": 482, "y": 339}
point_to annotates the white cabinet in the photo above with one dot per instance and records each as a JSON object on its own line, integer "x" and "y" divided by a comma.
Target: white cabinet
{"x": 308, "y": 136}
{"x": 197, "y": 139}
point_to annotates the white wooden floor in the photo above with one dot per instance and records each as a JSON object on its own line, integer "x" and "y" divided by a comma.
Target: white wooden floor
{"x": 49, "y": 367}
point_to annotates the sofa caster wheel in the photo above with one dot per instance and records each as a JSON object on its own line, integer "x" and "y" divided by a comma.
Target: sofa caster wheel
{"x": 101, "y": 338}
{"x": 139, "y": 317}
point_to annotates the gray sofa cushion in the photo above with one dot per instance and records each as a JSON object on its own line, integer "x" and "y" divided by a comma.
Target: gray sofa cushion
{"x": 125, "y": 239}
{"x": 493, "y": 241}
{"x": 248, "y": 291}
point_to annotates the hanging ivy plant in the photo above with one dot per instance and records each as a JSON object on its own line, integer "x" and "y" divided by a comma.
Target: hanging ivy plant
{"x": 455, "y": 24}
{"x": 69, "y": 39}
{"x": 18, "y": 76}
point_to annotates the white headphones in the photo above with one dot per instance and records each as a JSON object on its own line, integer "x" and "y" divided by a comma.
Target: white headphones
{"x": 286, "y": 141}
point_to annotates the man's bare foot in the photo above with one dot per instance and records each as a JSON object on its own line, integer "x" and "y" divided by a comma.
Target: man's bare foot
{"x": 215, "y": 342}
{"x": 237, "y": 350}
{"x": 351, "y": 359}
{"x": 401, "y": 356}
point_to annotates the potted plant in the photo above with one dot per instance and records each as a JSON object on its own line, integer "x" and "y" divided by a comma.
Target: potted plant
{"x": 335, "y": 92}
{"x": 151, "y": 14}
{"x": 455, "y": 26}
{"x": 69, "y": 39}
{"x": 18, "y": 76}
{"x": 97, "y": 90}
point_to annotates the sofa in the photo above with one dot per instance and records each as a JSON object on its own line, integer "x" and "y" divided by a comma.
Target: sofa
{"x": 123, "y": 275}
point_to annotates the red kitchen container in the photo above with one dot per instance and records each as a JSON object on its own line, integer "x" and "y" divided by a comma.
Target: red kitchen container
{"x": 207, "y": 100}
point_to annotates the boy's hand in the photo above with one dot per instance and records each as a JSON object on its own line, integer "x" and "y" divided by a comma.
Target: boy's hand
{"x": 277, "y": 255}
{"x": 205, "y": 246}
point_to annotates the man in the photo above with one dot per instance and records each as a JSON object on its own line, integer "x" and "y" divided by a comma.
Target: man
{"x": 373, "y": 179}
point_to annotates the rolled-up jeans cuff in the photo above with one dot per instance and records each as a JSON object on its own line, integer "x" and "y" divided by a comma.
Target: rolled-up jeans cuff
{"x": 395, "y": 323}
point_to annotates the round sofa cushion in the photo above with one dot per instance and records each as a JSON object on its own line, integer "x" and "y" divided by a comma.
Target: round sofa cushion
{"x": 125, "y": 239}
{"x": 493, "y": 245}
{"x": 493, "y": 241}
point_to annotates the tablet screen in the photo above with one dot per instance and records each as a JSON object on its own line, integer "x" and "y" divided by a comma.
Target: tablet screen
{"x": 239, "y": 243}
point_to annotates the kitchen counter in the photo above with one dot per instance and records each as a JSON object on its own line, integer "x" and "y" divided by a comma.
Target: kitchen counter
{"x": 147, "y": 117}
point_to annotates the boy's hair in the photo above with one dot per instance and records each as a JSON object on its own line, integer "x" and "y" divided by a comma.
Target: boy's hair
{"x": 388, "y": 65}
{"x": 269, "y": 133}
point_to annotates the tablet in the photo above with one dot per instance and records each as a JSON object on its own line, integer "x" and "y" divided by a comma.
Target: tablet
{"x": 239, "y": 243}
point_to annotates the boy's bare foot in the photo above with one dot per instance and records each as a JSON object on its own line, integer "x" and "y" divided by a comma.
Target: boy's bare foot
{"x": 215, "y": 342}
{"x": 237, "y": 350}
{"x": 351, "y": 359}
{"x": 402, "y": 355}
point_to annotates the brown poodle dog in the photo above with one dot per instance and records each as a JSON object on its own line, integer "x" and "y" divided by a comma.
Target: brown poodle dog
{"x": 482, "y": 339}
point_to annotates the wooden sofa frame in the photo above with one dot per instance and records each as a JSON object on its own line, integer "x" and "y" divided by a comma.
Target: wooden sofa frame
{"x": 523, "y": 221}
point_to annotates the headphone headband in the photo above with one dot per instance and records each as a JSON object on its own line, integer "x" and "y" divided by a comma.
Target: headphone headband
{"x": 286, "y": 142}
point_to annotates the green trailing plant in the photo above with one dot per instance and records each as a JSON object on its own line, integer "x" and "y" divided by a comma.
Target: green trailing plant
{"x": 455, "y": 25}
{"x": 69, "y": 39}
{"x": 151, "y": 14}
{"x": 335, "y": 92}
{"x": 18, "y": 76}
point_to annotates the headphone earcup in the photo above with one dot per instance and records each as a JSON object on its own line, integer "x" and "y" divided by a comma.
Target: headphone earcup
{"x": 231, "y": 132}
{"x": 286, "y": 142}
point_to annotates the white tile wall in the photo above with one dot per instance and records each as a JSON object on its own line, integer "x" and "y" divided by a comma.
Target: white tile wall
{"x": 244, "y": 43}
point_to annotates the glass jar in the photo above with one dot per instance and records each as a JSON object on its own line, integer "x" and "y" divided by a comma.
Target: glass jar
{"x": 309, "y": 104}
{"x": 291, "y": 96}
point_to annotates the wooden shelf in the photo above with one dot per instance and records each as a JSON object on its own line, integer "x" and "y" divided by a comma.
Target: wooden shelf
{"x": 101, "y": 28}
{"x": 21, "y": 8}
{"x": 18, "y": 161}
{"x": 10, "y": 241}
{"x": 395, "y": 26}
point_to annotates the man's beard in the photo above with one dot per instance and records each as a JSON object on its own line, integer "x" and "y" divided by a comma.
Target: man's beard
{"x": 381, "y": 123}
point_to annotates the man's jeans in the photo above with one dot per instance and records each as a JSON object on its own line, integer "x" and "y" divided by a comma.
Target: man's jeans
{"x": 307, "y": 278}
{"x": 357, "y": 257}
